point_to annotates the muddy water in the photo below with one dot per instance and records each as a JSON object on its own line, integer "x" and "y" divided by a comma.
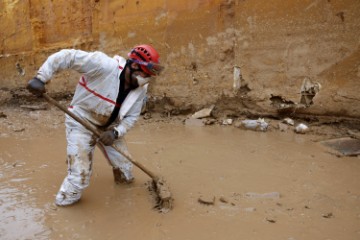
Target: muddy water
{"x": 270, "y": 185}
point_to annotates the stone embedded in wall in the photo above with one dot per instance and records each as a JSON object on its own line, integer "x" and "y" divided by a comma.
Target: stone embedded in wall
{"x": 20, "y": 69}
{"x": 237, "y": 78}
{"x": 308, "y": 91}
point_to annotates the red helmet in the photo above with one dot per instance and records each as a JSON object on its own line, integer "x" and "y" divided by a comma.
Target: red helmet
{"x": 147, "y": 57}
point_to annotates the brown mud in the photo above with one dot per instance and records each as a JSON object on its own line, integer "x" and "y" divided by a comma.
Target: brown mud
{"x": 260, "y": 185}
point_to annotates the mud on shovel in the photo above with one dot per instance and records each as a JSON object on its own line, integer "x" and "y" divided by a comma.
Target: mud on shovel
{"x": 164, "y": 200}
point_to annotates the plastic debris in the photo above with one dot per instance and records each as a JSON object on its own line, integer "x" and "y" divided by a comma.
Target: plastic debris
{"x": 228, "y": 121}
{"x": 210, "y": 121}
{"x": 301, "y": 128}
{"x": 288, "y": 121}
{"x": 256, "y": 125}
{"x": 346, "y": 146}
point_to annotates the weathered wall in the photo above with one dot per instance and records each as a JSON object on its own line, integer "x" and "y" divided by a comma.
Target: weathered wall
{"x": 276, "y": 45}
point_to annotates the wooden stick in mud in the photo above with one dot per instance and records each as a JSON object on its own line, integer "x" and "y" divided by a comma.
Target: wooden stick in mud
{"x": 158, "y": 185}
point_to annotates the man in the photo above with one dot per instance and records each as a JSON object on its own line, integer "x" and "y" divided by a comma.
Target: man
{"x": 110, "y": 96}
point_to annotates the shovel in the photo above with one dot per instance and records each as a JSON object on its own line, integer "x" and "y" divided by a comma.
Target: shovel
{"x": 164, "y": 200}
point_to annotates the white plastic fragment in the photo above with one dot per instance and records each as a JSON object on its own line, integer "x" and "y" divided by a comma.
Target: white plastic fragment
{"x": 301, "y": 128}
{"x": 257, "y": 125}
{"x": 228, "y": 121}
{"x": 288, "y": 121}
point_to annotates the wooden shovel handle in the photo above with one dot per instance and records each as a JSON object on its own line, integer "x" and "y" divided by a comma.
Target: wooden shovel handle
{"x": 92, "y": 129}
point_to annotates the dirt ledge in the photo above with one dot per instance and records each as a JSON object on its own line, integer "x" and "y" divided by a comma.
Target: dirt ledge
{"x": 19, "y": 108}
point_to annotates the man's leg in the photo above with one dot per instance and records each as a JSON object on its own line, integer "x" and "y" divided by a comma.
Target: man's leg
{"x": 122, "y": 168}
{"x": 80, "y": 151}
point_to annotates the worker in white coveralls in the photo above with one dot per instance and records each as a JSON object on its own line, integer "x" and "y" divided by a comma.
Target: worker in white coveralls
{"x": 109, "y": 95}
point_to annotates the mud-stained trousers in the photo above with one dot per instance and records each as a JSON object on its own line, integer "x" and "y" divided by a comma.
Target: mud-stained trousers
{"x": 80, "y": 151}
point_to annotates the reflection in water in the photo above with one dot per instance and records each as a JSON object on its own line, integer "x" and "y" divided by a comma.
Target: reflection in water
{"x": 18, "y": 219}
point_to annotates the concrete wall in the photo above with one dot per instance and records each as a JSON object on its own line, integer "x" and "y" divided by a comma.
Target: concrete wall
{"x": 284, "y": 50}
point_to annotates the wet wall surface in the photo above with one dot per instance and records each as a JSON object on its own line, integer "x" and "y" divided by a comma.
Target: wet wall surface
{"x": 277, "y": 46}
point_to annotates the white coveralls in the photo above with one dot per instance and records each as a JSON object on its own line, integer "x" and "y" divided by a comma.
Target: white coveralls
{"x": 93, "y": 101}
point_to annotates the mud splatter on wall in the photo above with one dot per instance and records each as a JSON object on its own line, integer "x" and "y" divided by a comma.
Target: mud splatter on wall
{"x": 275, "y": 44}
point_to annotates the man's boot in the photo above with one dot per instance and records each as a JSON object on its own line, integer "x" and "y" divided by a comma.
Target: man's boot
{"x": 119, "y": 177}
{"x": 68, "y": 194}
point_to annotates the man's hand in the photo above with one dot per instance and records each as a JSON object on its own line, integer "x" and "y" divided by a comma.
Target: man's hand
{"x": 36, "y": 86}
{"x": 107, "y": 137}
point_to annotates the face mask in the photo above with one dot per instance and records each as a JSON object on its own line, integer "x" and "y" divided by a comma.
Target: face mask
{"x": 142, "y": 81}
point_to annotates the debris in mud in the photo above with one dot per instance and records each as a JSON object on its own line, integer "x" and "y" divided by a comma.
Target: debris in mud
{"x": 3, "y": 115}
{"x": 223, "y": 200}
{"x": 210, "y": 121}
{"x": 163, "y": 199}
{"x": 228, "y": 121}
{"x": 147, "y": 116}
{"x": 256, "y": 125}
{"x": 206, "y": 112}
{"x": 206, "y": 201}
{"x": 270, "y": 220}
{"x": 35, "y": 107}
{"x": 18, "y": 164}
{"x": 288, "y": 121}
{"x": 328, "y": 215}
{"x": 226, "y": 201}
{"x": 270, "y": 195}
{"x": 347, "y": 146}
{"x": 301, "y": 128}
{"x": 19, "y": 130}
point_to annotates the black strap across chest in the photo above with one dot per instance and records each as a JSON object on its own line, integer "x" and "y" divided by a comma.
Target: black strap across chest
{"x": 122, "y": 94}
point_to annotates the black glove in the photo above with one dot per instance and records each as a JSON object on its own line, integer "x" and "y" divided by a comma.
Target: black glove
{"x": 36, "y": 86}
{"x": 107, "y": 137}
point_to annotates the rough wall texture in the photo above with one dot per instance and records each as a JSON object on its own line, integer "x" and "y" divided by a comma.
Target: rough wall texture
{"x": 266, "y": 56}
